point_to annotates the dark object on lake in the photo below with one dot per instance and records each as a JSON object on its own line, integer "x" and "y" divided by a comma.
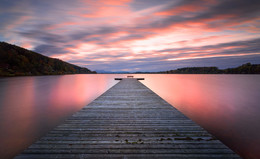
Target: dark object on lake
{"x": 134, "y": 78}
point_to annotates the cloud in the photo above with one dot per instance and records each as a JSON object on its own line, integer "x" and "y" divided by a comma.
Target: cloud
{"x": 233, "y": 49}
{"x": 43, "y": 36}
{"x": 49, "y": 50}
{"x": 133, "y": 34}
{"x": 239, "y": 52}
{"x": 208, "y": 14}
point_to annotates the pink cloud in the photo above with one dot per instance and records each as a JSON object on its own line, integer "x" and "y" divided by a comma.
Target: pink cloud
{"x": 105, "y": 8}
{"x": 109, "y": 30}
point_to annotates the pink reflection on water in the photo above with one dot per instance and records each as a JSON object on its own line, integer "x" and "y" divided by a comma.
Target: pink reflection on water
{"x": 225, "y": 105}
{"x": 21, "y": 106}
{"x": 31, "y": 106}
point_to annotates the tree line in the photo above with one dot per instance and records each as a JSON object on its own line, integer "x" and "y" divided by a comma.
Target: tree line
{"x": 17, "y": 61}
{"x": 247, "y": 68}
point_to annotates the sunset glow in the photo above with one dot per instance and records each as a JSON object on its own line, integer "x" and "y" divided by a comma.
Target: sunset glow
{"x": 136, "y": 35}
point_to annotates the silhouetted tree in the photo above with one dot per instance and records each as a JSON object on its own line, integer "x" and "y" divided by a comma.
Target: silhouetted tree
{"x": 17, "y": 61}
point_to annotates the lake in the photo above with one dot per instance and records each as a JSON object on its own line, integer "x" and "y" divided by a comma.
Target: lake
{"x": 227, "y": 106}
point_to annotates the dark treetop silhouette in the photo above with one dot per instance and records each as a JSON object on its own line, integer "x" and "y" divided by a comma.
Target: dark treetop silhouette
{"x": 17, "y": 61}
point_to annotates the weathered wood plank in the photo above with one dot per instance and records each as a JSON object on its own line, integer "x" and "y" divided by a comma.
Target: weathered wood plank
{"x": 128, "y": 156}
{"x": 126, "y": 151}
{"x": 139, "y": 146}
{"x": 128, "y": 121}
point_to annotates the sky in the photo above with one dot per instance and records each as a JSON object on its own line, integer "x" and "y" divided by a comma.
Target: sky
{"x": 136, "y": 35}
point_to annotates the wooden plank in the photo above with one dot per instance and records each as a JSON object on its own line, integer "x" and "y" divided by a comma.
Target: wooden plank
{"x": 128, "y": 156}
{"x": 128, "y": 121}
{"x": 139, "y": 146}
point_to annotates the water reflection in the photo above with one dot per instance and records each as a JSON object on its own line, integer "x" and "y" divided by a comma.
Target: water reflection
{"x": 31, "y": 106}
{"x": 226, "y": 105}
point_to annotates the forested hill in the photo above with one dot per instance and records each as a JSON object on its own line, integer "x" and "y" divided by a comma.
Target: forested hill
{"x": 17, "y": 61}
{"x": 247, "y": 68}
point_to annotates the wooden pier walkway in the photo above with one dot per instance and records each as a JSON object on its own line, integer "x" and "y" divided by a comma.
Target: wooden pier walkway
{"x": 128, "y": 121}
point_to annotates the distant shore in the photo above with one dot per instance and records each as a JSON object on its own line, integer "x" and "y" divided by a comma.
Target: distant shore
{"x": 247, "y": 68}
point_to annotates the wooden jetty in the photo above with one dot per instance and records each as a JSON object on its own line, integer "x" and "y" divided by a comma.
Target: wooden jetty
{"x": 128, "y": 121}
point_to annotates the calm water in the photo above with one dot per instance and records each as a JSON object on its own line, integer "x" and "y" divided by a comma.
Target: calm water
{"x": 228, "y": 106}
